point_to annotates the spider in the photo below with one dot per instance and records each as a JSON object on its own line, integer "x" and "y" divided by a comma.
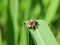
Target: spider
{"x": 32, "y": 24}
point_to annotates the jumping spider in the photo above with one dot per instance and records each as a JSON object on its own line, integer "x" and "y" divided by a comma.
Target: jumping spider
{"x": 32, "y": 24}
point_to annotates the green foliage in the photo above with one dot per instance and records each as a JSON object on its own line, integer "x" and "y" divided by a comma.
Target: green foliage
{"x": 13, "y": 13}
{"x": 0, "y": 38}
{"x": 51, "y": 10}
{"x": 43, "y": 35}
{"x": 14, "y": 17}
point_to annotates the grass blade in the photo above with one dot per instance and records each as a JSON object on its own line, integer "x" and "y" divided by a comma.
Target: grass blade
{"x": 43, "y": 35}
{"x": 14, "y": 16}
{"x": 0, "y": 38}
{"x": 51, "y": 11}
{"x": 24, "y": 33}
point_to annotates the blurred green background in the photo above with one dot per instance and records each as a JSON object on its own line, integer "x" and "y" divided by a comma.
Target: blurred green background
{"x": 13, "y": 13}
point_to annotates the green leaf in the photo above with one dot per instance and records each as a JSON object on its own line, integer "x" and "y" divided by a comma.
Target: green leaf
{"x": 14, "y": 17}
{"x": 0, "y": 38}
{"x": 51, "y": 11}
{"x": 43, "y": 35}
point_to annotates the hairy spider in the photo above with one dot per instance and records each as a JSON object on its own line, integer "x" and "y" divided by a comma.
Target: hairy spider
{"x": 32, "y": 24}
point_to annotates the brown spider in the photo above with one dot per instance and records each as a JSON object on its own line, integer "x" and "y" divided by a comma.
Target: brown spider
{"x": 32, "y": 24}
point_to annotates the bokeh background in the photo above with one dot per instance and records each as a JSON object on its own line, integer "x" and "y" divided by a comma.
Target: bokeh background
{"x": 13, "y": 13}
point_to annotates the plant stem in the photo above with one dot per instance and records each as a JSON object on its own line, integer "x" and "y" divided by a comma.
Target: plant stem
{"x": 0, "y": 38}
{"x": 51, "y": 11}
{"x": 14, "y": 16}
